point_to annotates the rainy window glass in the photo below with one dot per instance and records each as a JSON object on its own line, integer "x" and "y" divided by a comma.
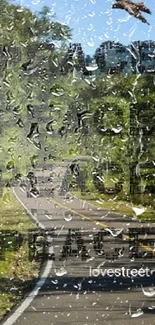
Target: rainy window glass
{"x": 77, "y": 162}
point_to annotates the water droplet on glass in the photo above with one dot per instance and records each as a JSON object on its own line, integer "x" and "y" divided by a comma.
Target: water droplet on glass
{"x": 10, "y": 165}
{"x": 114, "y": 232}
{"x": 151, "y": 307}
{"x": 37, "y": 144}
{"x": 138, "y": 211}
{"x": 90, "y": 27}
{"x": 23, "y": 187}
{"x": 60, "y": 272}
{"x": 117, "y": 130}
{"x": 49, "y": 128}
{"x": 35, "y": 2}
{"x": 91, "y": 43}
{"x": 55, "y": 281}
{"x": 92, "y": 14}
{"x": 20, "y": 123}
{"x": 20, "y": 9}
{"x": 34, "y": 192}
{"x": 34, "y": 131}
{"x": 68, "y": 216}
{"x": 149, "y": 293}
{"x": 138, "y": 313}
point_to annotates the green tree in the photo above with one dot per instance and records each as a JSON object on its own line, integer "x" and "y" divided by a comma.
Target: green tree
{"x": 25, "y": 81}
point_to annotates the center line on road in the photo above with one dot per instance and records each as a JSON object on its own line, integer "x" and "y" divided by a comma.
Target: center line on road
{"x": 103, "y": 225}
{"x": 79, "y": 214}
{"x": 25, "y": 304}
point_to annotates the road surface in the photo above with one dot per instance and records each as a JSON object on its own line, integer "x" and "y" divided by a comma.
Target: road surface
{"x": 78, "y": 290}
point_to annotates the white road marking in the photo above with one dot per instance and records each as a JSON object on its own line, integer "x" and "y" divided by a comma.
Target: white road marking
{"x": 60, "y": 230}
{"x": 48, "y": 217}
{"x": 18, "y": 312}
{"x": 40, "y": 225}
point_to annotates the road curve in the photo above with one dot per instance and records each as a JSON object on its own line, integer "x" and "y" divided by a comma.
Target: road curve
{"x": 72, "y": 292}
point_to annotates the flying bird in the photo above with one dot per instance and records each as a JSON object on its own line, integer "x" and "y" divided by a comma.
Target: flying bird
{"x": 132, "y": 8}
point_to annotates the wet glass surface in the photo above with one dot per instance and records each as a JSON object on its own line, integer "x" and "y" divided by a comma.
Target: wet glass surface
{"x": 77, "y": 162}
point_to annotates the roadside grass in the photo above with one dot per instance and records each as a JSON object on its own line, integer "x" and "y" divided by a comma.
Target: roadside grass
{"x": 17, "y": 273}
{"x": 98, "y": 200}
{"x": 112, "y": 204}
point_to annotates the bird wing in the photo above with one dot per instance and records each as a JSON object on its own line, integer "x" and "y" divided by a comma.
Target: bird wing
{"x": 139, "y": 16}
{"x": 127, "y": 5}
{"x": 141, "y": 6}
{"x": 122, "y": 2}
{"x": 133, "y": 8}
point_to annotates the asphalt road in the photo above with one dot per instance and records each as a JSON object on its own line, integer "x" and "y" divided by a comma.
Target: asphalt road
{"x": 78, "y": 289}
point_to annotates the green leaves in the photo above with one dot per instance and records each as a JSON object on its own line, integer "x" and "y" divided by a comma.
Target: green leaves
{"x": 20, "y": 27}
{"x": 47, "y": 30}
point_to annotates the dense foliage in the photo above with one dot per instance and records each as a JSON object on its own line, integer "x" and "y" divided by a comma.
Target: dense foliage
{"x": 48, "y": 110}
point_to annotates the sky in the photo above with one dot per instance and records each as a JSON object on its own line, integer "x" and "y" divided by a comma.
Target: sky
{"x": 94, "y": 22}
